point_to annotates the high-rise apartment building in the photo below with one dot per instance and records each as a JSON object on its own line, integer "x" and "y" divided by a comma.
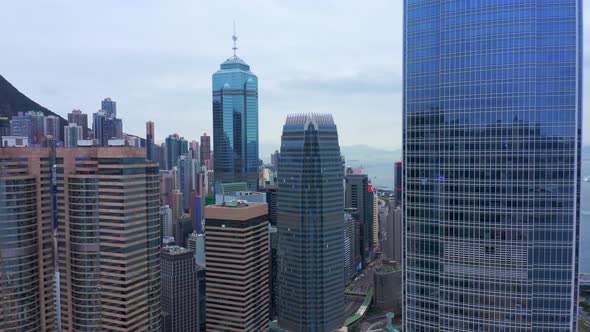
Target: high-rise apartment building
{"x": 106, "y": 127}
{"x": 176, "y": 146}
{"x": 52, "y": 127}
{"x": 205, "y": 153}
{"x": 149, "y": 140}
{"x": 176, "y": 200}
{"x": 72, "y": 134}
{"x": 310, "y": 225}
{"x": 194, "y": 150}
{"x": 237, "y": 278}
{"x": 492, "y": 140}
{"x": 109, "y": 106}
{"x": 235, "y": 123}
{"x": 81, "y": 119}
{"x": 180, "y": 290}
{"x": 358, "y": 196}
{"x": 88, "y": 213}
{"x": 29, "y": 124}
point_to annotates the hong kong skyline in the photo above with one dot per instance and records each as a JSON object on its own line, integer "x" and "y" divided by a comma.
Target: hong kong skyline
{"x": 156, "y": 60}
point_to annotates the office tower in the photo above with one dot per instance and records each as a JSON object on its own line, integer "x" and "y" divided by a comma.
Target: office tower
{"x": 72, "y": 133}
{"x": 80, "y": 245}
{"x": 271, "y": 200}
{"x": 180, "y": 306}
{"x": 275, "y": 158}
{"x": 235, "y": 123}
{"x": 358, "y": 196}
{"x": 397, "y": 183}
{"x": 195, "y": 151}
{"x": 110, "y": 107}
{"x": 237, "y": 277}
{"x": 274, "y": 266}
{"x": 205, "y": 150}
{"x": 149, "y": 140}
{"x": 98, "y": 122}
{"x": 176, "y": 146}
{"x": 492, "y": 137}
{"x": 351, "y": 246}
{"x": 375, "y": 216}
{"x": 201, "y": 277}
{"x": 166, "y": 221}
{"x": 196, "y": 243}
{"x": 197, "y": 204}
{"x": 52, "y": 127}
{"x": 310, "y": 227}
{"x": 182, "y": 229}
{"x": 81, "y": 119}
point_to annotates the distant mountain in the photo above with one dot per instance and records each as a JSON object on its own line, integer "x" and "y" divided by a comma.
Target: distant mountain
{"x": 13, "y": 101}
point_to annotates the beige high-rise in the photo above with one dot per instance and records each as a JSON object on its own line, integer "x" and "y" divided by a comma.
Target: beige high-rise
{"x": 105, "y": 212}
{"x": 237, "y": 260}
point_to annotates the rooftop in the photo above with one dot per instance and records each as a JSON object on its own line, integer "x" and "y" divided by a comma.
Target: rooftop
{"x": 174, "y": 250}
{"x": 238, "y": 210}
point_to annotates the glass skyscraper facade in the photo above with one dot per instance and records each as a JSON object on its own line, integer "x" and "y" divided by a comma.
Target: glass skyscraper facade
{"x": 235, "y": 124}
{"x": 492, "y": 140}
{"x": 310, "y": 228}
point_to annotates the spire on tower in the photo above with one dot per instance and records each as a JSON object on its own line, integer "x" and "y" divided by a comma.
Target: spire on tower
{"x": 235, "y": 39}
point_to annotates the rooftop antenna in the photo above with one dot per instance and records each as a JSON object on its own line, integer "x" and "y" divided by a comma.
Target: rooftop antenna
{"x": 235, "y": 39}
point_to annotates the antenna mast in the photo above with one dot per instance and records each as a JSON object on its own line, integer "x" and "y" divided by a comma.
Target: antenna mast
{"x": 235, "y": 39}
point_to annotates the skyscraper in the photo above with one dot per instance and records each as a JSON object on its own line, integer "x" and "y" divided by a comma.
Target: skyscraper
{"x": 235, "y": 123}
{"x": 237, "y": 278}
{"x": 149, "y": 140}
{"x": 205, "y": 149}
{"x": 106, "y": 127}
{"x": 194, "y": 150}
{"x": 180, "y": 298}
{"x": 358, "y": 196}
{"x": 176, "y": 146}
{"x": 72, "y": 133}
{"x": 110, "y": 107}
{"x": 80, "y": 244}
{"x": 52, "y": 127}
{"x": 310, "y": 225}
{"x": 492, "y": 137}
{"x": 397, "y": 183}
{"x": 81, "y": 119}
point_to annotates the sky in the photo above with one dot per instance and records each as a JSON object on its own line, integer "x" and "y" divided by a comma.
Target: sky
{"x": 156, "y": 58}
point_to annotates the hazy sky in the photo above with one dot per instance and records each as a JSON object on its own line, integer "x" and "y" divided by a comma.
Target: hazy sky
{"x": 156, "y": 58}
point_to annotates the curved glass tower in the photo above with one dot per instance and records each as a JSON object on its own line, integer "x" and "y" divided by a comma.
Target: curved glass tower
{"x": 492, "y": 138}
{"x": 310, "y": 228}
{"x": 235, "y": 123}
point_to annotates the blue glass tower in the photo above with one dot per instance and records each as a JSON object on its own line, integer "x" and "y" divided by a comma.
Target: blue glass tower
{"x": 235, "y": 123}
{"x": 492, "y": 140}
{"x": 310, "y": 228}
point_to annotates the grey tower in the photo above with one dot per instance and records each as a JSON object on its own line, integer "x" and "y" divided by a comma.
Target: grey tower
{"x": 492, "y": 136}
{"x": 310, "y": 228}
